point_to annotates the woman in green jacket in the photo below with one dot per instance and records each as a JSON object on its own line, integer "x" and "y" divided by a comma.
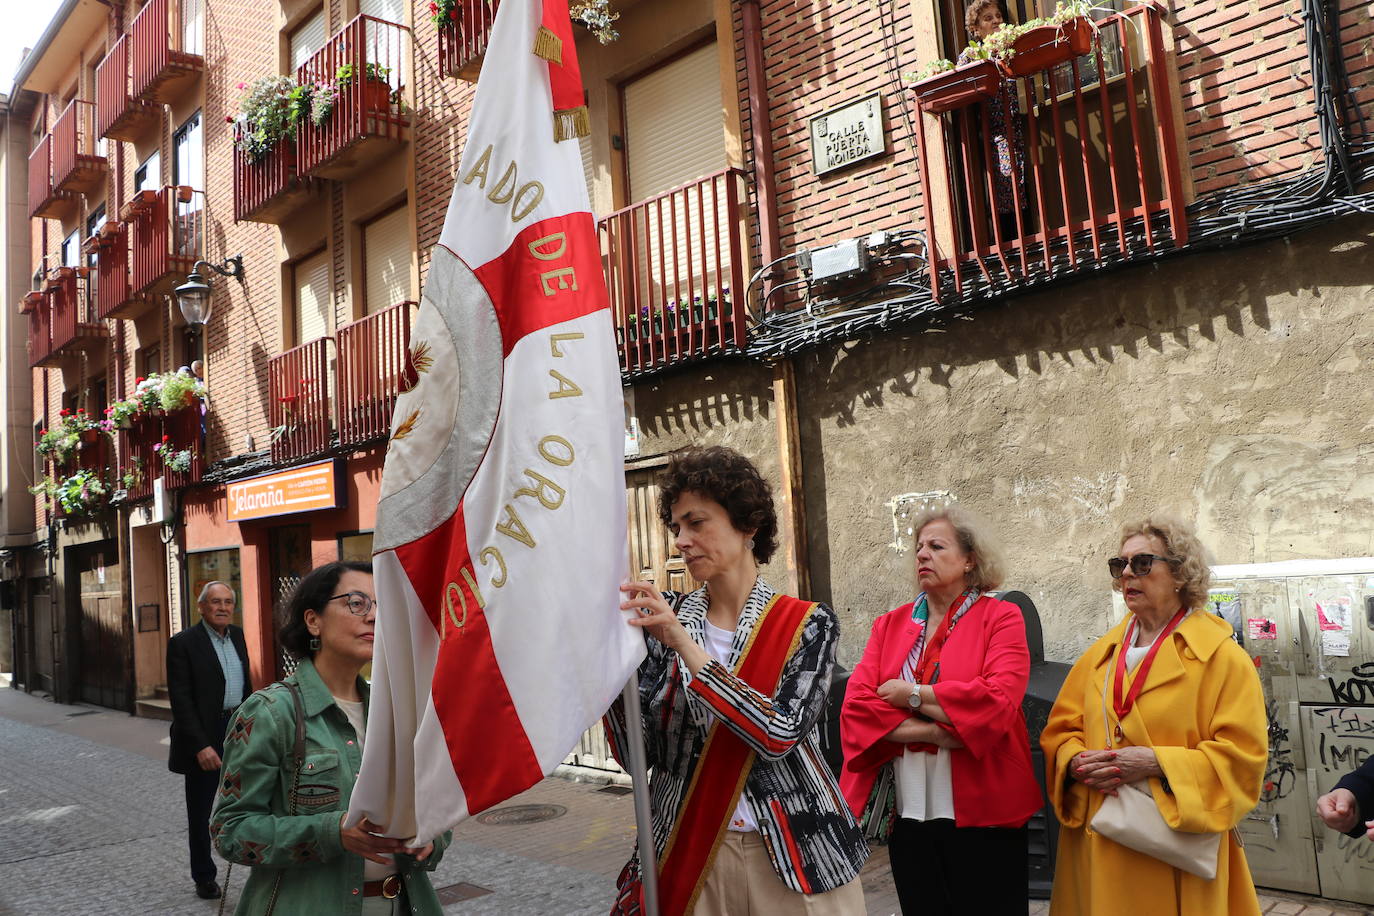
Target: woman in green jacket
{"x": 284, "y": 789}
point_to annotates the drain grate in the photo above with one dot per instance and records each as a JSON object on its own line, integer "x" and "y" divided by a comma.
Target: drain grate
{"x": 617, "y": 790}
{"x": 520, "y": 814}
{"x": 456, "y": 893}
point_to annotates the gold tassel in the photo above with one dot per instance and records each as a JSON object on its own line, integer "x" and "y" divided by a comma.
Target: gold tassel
{"x": 570, "y": 123}
{"x": 548, "y": 46}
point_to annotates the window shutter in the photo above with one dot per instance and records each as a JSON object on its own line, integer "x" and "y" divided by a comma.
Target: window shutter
{"x": 307, "y": 39}
{"x": 675, "y": 124}
{"x": 312, "y": 298}
{"x": 386, "y": 10}
{"x": 386, "y": 260}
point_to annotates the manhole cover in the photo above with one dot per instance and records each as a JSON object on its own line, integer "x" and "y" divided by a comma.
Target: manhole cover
{"x": 521, "y": 814}
{"x": 456, "y": 893}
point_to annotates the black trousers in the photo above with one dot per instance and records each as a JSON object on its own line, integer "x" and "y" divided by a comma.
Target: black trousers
{"x": 201, "y": 786}
{"x": 940, "y": 868}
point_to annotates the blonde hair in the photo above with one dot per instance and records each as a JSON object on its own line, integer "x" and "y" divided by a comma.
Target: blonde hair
{"x": 975, "y": 538}
{"x": 974, "y": 11}
{"x": 1189, "y": 561}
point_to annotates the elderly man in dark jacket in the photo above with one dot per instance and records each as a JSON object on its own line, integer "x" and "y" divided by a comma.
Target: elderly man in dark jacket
{"x": 207, "y": 679}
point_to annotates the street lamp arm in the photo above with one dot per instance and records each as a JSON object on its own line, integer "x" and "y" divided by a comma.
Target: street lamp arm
{"x": 233, "y": 267}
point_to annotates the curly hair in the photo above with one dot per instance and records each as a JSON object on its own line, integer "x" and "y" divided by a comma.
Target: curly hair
{"x": 1189, "y": 561}
{"x": 726, "y": 476}
{"x": 312, "y": 593}
{"x": 976, "y": 538}
{"x": 974, "y": 11}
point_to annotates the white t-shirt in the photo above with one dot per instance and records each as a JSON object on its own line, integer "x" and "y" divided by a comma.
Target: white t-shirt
{"x": 718, "y": 644}
{"x": 353, "y": 710}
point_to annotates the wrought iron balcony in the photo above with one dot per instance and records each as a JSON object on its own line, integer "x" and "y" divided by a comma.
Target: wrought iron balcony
{"x": 167, "y": 229}
{"x": 366, "y": 62}
{"x": 675, "y": 269}
{"x": 299, "y": 409}
{"x": 119, "y": 115}
{"x": 165, "y": 45}
{"x": 462, "y": 45}
{"x": 371, "y": 369}
{"x": 269, "y": 189}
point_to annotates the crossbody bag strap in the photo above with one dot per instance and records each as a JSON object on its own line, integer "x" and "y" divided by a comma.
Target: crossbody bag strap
{"x": 297, "y": 759}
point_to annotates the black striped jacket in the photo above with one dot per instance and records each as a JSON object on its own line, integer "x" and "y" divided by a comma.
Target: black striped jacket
{"x": 806, "y": 826}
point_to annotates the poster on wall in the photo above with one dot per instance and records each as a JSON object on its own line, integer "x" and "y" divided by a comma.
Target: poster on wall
{"x": 1333, "y": 622}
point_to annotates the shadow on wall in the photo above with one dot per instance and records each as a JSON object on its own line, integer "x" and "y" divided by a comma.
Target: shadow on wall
{"x": 702, "y": 405}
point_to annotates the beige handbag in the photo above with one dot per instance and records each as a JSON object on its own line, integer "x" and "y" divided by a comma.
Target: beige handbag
{"x": 1131, "y": 818}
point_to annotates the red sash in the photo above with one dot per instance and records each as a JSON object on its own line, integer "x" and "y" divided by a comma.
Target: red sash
{"x": 725, "y": 762}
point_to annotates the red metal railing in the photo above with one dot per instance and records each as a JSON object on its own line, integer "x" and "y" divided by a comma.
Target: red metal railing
{"x": 365, "y": 62}
{"x": 298, "y": 396}
{"x": 118, "y": 115}
{"x": 260, "y": 187}
{"x": 44, "y": 199}
{"x": 183, "y": 430}
{"x": 140, "y": 462}
{"x": 675, "y": 271}
{"x": 372, "y": 359}
{"x": 77, "y": 165}
{"x": 111, "y": 246}
{"x": 40, "y": 333}
{"x": 463, "y": 44}
{"x": 168, "y": 235}
{"x": 161, "y": 64}
{"x": 74, "y": 324}
{"x": 1096, "y": 179}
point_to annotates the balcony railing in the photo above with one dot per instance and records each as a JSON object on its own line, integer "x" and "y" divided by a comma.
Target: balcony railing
{"x": 167, "y": 228}
{"x": 110, "y": 245}
{"x": 164, "y": 36}
{"x": 366, "y": 61}
{"x": 139, "y": 459}
{"x": 45, "y": 201}
{"x": 298, "y": 401}
{"x": 118, "y": 114}
{"x": 78, "y": 155}
{"x": 675, "y": 269}
{"x": 74, "y": 322}
{"x": 1096, "y": 178}
{"x": 372, "y": 363}
{"x": 268, "y": 190}
{"x": 40, "y": 333}
{"x": 463, "y": 44}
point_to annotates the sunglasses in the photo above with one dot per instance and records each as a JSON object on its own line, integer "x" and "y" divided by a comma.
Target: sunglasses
{"x": 357, "y": 603}
{"x": 1140, "y": 564}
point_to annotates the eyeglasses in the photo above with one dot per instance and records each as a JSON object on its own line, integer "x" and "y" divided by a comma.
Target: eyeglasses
{"x": 357, "y": 603}
{"x": 1140, "y": 564}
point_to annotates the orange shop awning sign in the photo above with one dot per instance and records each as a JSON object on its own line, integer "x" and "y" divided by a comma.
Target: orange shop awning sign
{"x": 303, "y": 489}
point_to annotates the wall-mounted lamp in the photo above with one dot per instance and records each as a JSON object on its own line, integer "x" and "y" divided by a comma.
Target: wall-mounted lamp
{"x": 193, "y": 296}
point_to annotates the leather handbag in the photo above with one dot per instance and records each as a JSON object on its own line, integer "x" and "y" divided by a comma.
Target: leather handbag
{"x": 1131, "y": 818}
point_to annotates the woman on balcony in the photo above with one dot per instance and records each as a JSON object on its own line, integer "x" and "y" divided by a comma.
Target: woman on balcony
{"x": 936, "y": 755}
{"x": 747, "y": 816}
{"x": 291, "y": 758}
{"x": 1007, "y": 133}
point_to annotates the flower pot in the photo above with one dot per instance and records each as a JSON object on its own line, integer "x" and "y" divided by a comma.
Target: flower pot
{"x": 90, "y": 435}
{"x": 376, "y": 94}
{"x": 958, "y": 88}
{"x": 184, "y": 193}
{"x": 1048, "y": 46}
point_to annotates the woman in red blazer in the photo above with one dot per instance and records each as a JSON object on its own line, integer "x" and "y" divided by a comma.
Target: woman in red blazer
{"x": 936, "y": 755}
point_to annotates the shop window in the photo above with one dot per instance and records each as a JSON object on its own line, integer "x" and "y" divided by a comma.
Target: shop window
{"x": 356, "y": 547}
{"x": 206, "y": 566}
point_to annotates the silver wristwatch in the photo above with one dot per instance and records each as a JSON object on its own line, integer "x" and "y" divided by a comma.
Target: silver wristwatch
{"x": 914, "y": 701}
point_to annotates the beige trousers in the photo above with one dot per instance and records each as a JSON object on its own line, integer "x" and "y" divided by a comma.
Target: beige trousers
{"x": 742, "y": 883}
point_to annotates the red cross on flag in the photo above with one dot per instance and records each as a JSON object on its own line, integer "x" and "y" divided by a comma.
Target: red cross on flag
{"x": 500, "y": 541}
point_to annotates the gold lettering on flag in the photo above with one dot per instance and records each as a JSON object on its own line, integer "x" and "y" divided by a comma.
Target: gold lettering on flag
{"x": 522, "y": 199}
{"x": 500, "y": 561}
{"x": 556, "y": 339}
{"x": 455, "y": 589}
{"x": 566, "y": 387}
{"x": 513, "y": 527}
{"x": 542, "y": 487}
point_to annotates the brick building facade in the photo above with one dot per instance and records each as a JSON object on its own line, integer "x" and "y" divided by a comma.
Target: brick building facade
{"x": 1171, "y": 316}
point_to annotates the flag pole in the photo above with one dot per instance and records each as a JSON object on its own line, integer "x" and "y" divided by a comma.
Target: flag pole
{"x": 648, "y": 858}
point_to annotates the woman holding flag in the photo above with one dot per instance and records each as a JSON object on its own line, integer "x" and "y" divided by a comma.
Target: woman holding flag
{"x": 747, "y": 818}
{"x": 936, "y": 755}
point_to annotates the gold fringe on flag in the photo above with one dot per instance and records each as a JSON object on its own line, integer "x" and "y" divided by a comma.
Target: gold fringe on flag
{"x": 548, "y": 46}
{"x": 571, "y": 122}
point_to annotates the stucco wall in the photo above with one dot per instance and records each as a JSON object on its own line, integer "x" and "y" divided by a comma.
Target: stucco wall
{"x": 1231, "y": 388}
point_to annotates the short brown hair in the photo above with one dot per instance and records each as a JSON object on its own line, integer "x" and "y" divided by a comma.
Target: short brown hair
{"x": 1188, "y": 559}
{"x": 730, "y": 479}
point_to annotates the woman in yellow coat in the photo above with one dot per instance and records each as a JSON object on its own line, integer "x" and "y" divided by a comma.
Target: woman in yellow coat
{"x": 1185, "y": 711}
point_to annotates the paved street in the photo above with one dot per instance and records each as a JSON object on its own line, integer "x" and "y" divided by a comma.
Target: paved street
{"x": 92, "y": 822}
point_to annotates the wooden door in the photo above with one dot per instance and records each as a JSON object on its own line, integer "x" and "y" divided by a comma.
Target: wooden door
{"x": 653, "y": 555}
{"x": 288, "y": 549}
{"x": 103, "y": 635}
